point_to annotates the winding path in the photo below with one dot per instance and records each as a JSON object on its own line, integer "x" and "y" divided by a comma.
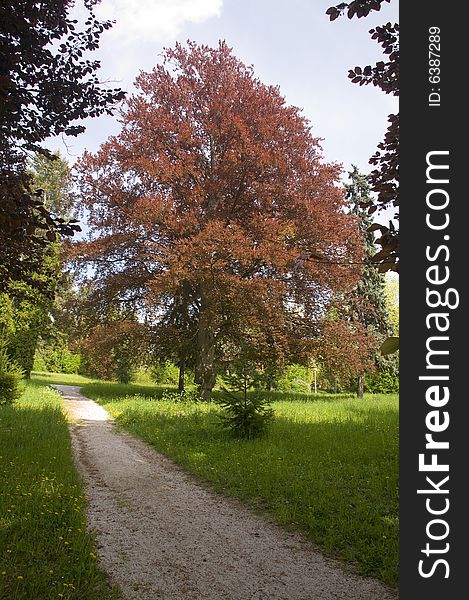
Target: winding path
{"x": 162, "y": 536}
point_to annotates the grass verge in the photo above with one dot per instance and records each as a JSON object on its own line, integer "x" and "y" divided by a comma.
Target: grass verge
{"x": 46, "y": 551}
{"x": 61, "y": 378}
{"x": 328, "y": 467}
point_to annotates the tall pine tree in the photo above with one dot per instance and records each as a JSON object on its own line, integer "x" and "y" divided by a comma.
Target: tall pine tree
{"x": 367, "y": 303}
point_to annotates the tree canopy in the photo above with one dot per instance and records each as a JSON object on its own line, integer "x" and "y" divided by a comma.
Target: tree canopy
{"x": 46, "y": 80}
{"x": 47, "y": 84}
{"x": 367, "y": 303}
{"x": 29, "y": 302}
{"x": 213, "y": 208}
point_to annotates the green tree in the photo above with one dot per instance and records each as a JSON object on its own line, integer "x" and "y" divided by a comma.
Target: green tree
{"x": 53, "y": 178}
{"x": 24, "y": 310}
{"x": 296, "y": 378}
{"x": 10, "y": 378}
{"x": 31, "y": 306}
{"x": 392, "y": 299}
{"x": 32, "y": 303}
{"x": 7, "y": 321}
{"x": 47, "y": 85}
{"x": 245, "y": 416}
{"x": 368, "y": 303}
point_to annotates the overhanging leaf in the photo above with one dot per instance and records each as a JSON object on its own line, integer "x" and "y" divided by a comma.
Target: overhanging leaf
{"x": 390, "y": 345}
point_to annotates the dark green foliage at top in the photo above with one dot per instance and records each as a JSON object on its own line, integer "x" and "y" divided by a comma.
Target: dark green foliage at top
{"x": 384, "y": 178}
{"x": 47, "y": 84}
{"x": 47, "y": 81}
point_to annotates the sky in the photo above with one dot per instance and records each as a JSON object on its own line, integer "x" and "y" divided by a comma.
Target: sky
{"x": 291, "y": 44}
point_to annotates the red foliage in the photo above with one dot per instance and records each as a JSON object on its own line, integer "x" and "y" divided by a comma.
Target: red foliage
{"x": 109, "y": 348}
{"x": 345, "y": 351}
{"x": 213, "y": 202}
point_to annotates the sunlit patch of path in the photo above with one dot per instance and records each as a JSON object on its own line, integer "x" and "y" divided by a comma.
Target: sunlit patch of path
{"x": 78, "y": 407}
{"x": 163, "y": 536}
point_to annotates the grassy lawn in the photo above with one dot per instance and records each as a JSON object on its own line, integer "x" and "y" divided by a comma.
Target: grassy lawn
{"x": 61, "y": 378}
{"x": 328, "y": 467}
{"x": 45, "y": 549}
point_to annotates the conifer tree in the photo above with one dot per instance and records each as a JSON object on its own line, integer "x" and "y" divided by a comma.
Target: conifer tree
{"x": 367, "y": 304}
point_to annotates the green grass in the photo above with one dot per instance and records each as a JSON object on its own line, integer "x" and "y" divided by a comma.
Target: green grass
{"x": 45, "y": 549}
{"x": 328, "y": 467}
{"x": 108, "y": 390}
{"x": 61, "y": 378}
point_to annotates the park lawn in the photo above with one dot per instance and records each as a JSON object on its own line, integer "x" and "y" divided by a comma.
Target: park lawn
{"x": 46, "y": 551}
{"x": 327, "y": 467}
{"x": 60, "y": 378}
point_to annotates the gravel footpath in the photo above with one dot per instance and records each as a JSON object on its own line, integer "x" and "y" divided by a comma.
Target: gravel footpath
{"x": 163, "y": 536}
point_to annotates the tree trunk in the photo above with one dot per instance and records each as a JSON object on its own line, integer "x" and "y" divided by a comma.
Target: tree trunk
{"x": 205, "y": 374}
{"x": 360, "y": 386}
{"x": 205, "y": 371}
{"x": 182, "y": 365}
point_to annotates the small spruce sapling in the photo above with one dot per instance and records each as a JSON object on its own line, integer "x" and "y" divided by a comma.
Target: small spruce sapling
{"x": 245, "y": 416}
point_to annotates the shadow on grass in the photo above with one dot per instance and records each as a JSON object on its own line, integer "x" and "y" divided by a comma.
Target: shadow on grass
{"x": 44, "y": 542}
{"x": 153, "y": 391}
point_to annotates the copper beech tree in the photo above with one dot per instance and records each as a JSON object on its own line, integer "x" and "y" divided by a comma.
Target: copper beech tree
{"x": 345, "y": 351}
{"x": 213, "y": 208}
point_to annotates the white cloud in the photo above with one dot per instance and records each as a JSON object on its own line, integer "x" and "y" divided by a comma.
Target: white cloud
{"x": 154, "y": 20}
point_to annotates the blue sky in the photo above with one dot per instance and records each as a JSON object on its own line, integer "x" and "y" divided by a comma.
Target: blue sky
{"x": 289, "y": 43}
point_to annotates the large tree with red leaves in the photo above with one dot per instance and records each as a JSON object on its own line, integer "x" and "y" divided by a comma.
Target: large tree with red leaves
{"x": 345, "y": 351}
{"x": 214, "y": 209}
